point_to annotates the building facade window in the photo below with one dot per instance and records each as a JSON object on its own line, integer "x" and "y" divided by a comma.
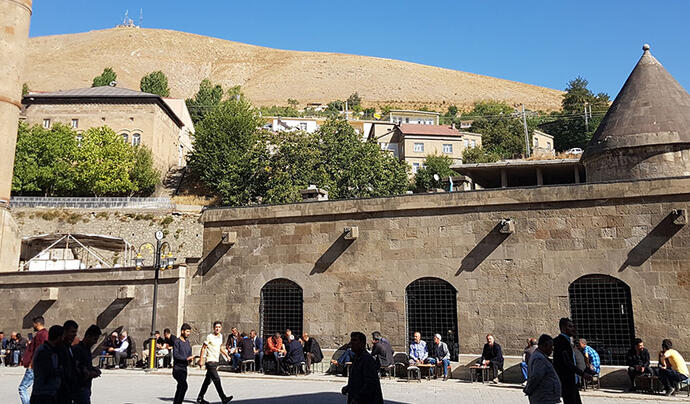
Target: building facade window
{"x": 303, "y": 126}
{"x": 125, "y": 137}
{"x": 75, "y": 123}
{"x": 79, "y": 138}
{"x": 473, "y": 143}
{"x": 419, "y": 147}
{"x": 536, "y": 142}
{"x": 448, "y": 148}
{"x": 466, "y": 143}
{"x": 281, "y": 308}
{"x": 407, "y": 120}
{"x": 136, "y": 139}
{"x": 548, "y": 145}
{"x": 601, "y": 308}
{"x": 415, "y": 168}
{"x": 431, "y": 305}
{"x": 46, "y": 123}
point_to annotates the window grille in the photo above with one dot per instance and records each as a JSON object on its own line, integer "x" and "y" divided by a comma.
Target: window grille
{"x": 281, "y": 308}
{"x": 432, "y": 309}
{"x": 601, "y": 309}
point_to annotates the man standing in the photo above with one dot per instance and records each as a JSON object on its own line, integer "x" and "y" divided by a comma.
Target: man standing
{"x": 210, "y": 352}
{"x": 418, "y": 351}
{"x": 312, "y": 351}
{"x": 258, "y": 350}
{"x": 363, "y": 384}
{"x": 65, "y": 353}
{"x": 439, "y": 354}
{"x": 182, "y": 354}
{"x": 83, "y": 360}
{"x": 564, "y": 363}
{"x": 381, "y": 350}
{"x": 47, "y": 370}
{"x": 672, "y": 367}
{"x": 637, "y": 361}
{"x": 526, "y": 354}
{"x": 32, "y": 347}
{"x": 492, "y": 356}
{"x": 543, "y": 385}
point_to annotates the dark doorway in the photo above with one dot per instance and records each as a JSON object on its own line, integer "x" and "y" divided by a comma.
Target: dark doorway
{"x": 281, "y": 308}
{"x": 432, "y": 309}
{"x": 601, "y": 308}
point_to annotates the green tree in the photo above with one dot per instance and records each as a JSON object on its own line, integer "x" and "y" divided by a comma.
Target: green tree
{"x": 155, "y": 83}
{"x": 204, "y": 101}
{"x": 293, "y": 103}
{"x": 230, "y": 153}
{"x": 25, "y": 89}
{"x": 143, "y": 174}
{"x": 489, "y": 108}
{"x": 43, "y": 160}
{"x": 433, "y": 165}
{"x": 354, "y": 101}
{"x": 107, "y": 77}
{"x": 479, "y": 155}
{"x": 103, "y": 164}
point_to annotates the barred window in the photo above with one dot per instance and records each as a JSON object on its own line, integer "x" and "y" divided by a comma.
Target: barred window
{"x": 281, "y": 308}
{"x": 432, "y": 309}
{"x": 601, "y": 308}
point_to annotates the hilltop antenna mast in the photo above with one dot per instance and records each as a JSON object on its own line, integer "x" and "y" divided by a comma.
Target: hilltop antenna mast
{"x": 124, "y": 20}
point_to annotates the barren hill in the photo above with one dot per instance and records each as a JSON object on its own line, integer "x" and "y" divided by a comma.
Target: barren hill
{"x": 268, "y": 76}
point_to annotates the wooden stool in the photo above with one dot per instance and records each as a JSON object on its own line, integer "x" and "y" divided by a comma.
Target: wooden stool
{"x": 247, "y": 365}
{"x": 413, "y": 371}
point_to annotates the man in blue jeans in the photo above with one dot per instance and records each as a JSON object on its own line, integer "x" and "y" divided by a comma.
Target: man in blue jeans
{"x": 531, "y": 347}
{"x": 38, "y": 340}
{"x": 439, "y": 354}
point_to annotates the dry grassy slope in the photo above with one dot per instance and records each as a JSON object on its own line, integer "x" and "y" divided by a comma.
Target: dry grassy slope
{"x": 267, "y": 76}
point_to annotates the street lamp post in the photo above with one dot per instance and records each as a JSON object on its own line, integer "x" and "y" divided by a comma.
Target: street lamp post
{"x": 159, "y": 264}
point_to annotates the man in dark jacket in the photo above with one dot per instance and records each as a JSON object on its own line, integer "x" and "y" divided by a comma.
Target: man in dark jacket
{"x": 363, "y": 384}
{"x": 246, "y": 348}
{"x": 70, "y": 380}
{"x": 47, "y": 369}
{"x": 294, "y": 354}
{"x": 381, "y": 349}
{"x": 565, "y": 364}
{"x": 182, "y": 354}
{"x": 83, "y": 360}
{"x": 637, "y": 360}
{"x": 258, "y": 350}
{"x": 492, "y": 356}
{"x": 312, "y": 351}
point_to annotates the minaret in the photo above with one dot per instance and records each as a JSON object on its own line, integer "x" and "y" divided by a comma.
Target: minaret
{"x": 14, "y": 35}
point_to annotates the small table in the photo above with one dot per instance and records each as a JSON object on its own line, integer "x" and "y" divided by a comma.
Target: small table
{"x": 428, "y": 366}
{"x": 484, "y": 369}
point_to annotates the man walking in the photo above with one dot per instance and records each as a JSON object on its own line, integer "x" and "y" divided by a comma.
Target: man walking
{"x": 211, "y": 351}
{"x": 47, "y": 370}
{"x": 83, "y": 361}
{"x": 32, "y": 347}
{"x": 182, "y": 354}
{"x": 363, "y": 384}
{"x": 543, "y": 385}
{"x": 65, "y": 353}
{"x": 564, "y": 363}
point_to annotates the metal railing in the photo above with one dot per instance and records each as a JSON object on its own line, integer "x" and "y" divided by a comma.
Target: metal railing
{"x": 91, "y": 203}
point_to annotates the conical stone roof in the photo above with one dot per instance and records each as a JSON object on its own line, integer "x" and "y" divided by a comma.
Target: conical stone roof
{"x": 652, "y": 108}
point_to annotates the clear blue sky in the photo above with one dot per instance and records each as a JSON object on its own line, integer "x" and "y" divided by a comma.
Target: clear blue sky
{"x": 544, "y": 42}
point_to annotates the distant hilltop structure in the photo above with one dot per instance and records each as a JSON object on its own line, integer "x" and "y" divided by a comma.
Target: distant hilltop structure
{"x": 129, "y": 23}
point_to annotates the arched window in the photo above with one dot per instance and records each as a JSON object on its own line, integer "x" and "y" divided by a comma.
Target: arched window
{"x": 601, "y": 308}
{"x": 136, "y": 139}
{"x": 432, "y": 309}
{"x": 281, "y": 308}
{"x": 125, "y": 137}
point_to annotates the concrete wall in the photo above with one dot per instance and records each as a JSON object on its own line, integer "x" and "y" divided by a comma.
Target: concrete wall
{"x": 114, "y": 300}
{"x": 515, "y": 286}
{"x": 157, "y": 130}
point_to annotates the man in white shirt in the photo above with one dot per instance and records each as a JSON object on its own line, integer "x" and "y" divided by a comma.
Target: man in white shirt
{"x": 210, "y": 352}
{"x": 121, "y": 351}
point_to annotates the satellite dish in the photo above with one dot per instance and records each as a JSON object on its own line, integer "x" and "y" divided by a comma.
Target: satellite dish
{"x": 112, "y": 83}
{"x": 436, "y": 177}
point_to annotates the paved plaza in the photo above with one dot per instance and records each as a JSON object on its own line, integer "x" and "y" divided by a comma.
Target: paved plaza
{"x": 137, "y": 387}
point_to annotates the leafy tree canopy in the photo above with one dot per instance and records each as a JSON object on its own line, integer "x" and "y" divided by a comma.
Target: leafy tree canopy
{"x": 155, "y": 83}
{"x": 433, "y": 165}
{"x": 205, "y": 100}
{"x": 107, "y": 77}
{"x": 480, "y": 155}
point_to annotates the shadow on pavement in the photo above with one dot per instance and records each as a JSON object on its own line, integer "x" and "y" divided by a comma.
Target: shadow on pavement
{"x": 311, "y": 398}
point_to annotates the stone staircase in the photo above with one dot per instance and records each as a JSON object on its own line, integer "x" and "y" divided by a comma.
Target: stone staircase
{"x": 171, "y": 182}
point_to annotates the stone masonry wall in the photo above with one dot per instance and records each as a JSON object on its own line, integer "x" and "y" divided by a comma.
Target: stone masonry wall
{"x": 515, "y": 286}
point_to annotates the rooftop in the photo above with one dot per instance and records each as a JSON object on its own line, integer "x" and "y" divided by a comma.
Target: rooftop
{"x": 431, "y": 130}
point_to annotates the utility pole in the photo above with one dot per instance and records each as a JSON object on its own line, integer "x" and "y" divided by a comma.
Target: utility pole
{"x": 524, "y": 122}
{"x": 586, "y": 120}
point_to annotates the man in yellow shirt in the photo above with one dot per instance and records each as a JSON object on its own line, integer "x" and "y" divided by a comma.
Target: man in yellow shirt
{"x": 672, "y": 367}
{"x": 210, "y": 352}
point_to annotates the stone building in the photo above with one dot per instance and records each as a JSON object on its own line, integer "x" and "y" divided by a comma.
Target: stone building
{"x": 162, "y": 124}
{"x": 612, "y": 253}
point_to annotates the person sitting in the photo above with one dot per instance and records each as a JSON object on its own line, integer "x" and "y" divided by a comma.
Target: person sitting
{"x": 672, "y": 367}
{"x": 312, "y": 351}
{"x": 339, "y": 365}
{"x": 246, "y": 348}
{"x": 258, "y": 349}
{"x": 233, "y": 349}
{"x": 275, "y": 350}
{"x": 382, "y": 351}
{"x": 294, "y": 353}
{"x": 418, "y": 350}
{"x": 492, "y": 356}
{"x": 123, "y": 351}
{"x": 3, "y": 348}
{"x": 439, "y": 354}
{"x": 637, "y": 360}
{"x": 591, "y": 356}
{"x": 109, "y": 345}
{"x": 165, "y": 345}
{"x": 529, "y": 350}
{"x": 16, "y": 347}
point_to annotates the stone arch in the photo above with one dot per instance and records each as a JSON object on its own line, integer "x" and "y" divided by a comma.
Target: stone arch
{"x": 432, "y": 308}
{"x": 281, "y": 307}
{"x": 601, "y": 308}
